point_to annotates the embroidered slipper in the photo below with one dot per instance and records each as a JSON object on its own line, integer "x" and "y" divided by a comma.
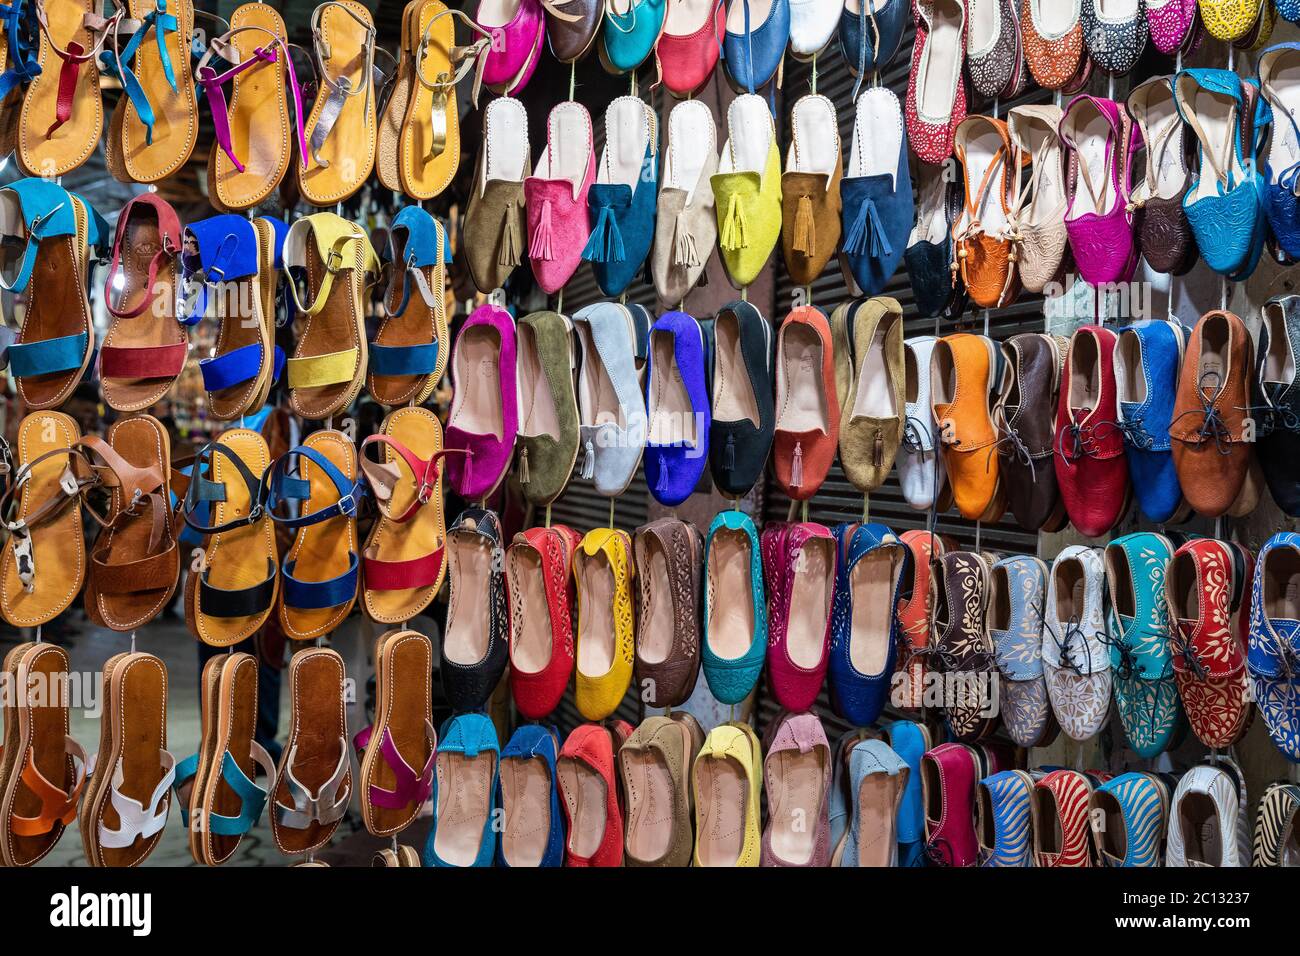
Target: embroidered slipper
{"x": 474, "y": 649}
{"x": 329, "y": 363}
{"x": 146, "y": 347}
{"x": 44, "y": 564}
{"x": 484, "y": 419}
{"x": 63, "y": 112}
{"x": 403, "y": 557}
{"x": 60, "y": 231}
{"x": 409, "y": 353}
{"x": 313, "y": 783}
{"x": 136, "y": 560}
{"x": 341, "y": 127}
{"x": 236, "y": 586}
{"x": 48, "y": 772}
{"x": 254, "y": 143}
{"x": 556, "y": 197}
{"x": 128, "y": 795}
{"x": 217, "y": 785}
{"x": 494, "y": 221}
{"x": 231, "y": 264}
{"x": 321, "y": 570}
{"x": 401, "y": 746}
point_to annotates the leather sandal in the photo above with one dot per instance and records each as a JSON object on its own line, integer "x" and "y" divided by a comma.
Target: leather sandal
{"x": 339, "y": 163}
{"x": 128, "y": 794}
{"x": 254, "y": 143}
{"x": 329, "y": 362}
{"x": 145, "y": 348}
{"x": 313, "y": 783}
{"x": 231, "y": 264}
{"x": 44, "y": 563}
{"x": 136, "y": 560}
{"x": 63, "y": 112}
{"x": 321, "y": 570}
{"x": 60, "y": 231}
{"x": 409, "y": 354}
{"x": 402, "y": 856}
{"x": 18, "y": 67}
{"x": 404, "y": 556}
{"x": 400, "y": 747}
{"x": 156, "y": 123}
{"x": 236, "y": 586}
{"x": 45, "y": 782}
{"x": 221, "y": 800}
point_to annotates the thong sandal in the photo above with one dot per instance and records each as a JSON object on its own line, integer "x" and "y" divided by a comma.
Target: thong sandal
{"x": 329, "y": 363}
{"x": 129, "y": 791}
{"x": 341, "y": 127}
{"x": 136, "y": 560}
{"x": 44, "y": 563}
{"x": 216, "y": 785}
{"x": 236, "y": 586}
{"x": 401, "y": 746}
{"x": 409, "y": 354}
{"x": 18, "y": 67}
{"x": 404, "y": 556}
{"x": 60, "y": 232}
{"x": 321, "y": 570}
{"x": 388, "y": 135}
{"x": 159, "y": 120}
{"x": 230, "y": 266}
{"x": 146, "y": 347}
{"x": 45, "y": 781}
{"x": 253, "y": 146}
{"x": 314, "y": 781}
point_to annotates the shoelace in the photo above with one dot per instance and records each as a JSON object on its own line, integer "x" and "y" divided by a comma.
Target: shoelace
{"x": 1191, "y": 658}
{"x": 939, "y": 852}
{"x": 1212, "y": 424}
{"x": 1268, "y": 418}
{"x": 1083, "y": 438}
{"x": 912, "y": 432}
{"x": 1073, "y": 631}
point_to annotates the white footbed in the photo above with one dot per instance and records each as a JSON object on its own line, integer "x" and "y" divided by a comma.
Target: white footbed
{"x": 1117, "y": 11}
{"x": 1089, "y": 131}
{"x": 1280, "y": 361}
{"x": 877, "y": 135}
{"x": 1217, "y": 115}
{"x": 875, "y": 397}
{"x": 983, "y": 24}
{"x": 931, "y": 215}
{"x": 1280, "y": 81}
{"x": 1039, "y": 139}
{"x": 496, "y": 13}
{"x": 1054, "y": 18}
{"x": 1158, "y": 118}
{"x": 749, "y": 135}
{"x": 935, "y": 94}
{"x": 629, "y": 123}
{"x": 981, "y": 142}
{"x": 505, "y": 130}
{"x": 815, "y": 144}
{"x": 692, "y": 136}
{"x": 687, "y": 16}
{"x": 759, "y": 11}
{"x": 568, "y": 145}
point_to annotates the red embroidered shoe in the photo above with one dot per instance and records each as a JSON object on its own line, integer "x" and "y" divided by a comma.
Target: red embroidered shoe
{"x": 1206, "y": 588}
{"x": 1090, "y": 466}
{"x": 799, "y": 570}
{"x": 1060, "y": 815}
{"x": 948, "y": 784}
{"x": 687, "y": 51}
{"x": 590, "y": 793}
{"x": 936, "y": 96}
{"x": 541, "y": 619}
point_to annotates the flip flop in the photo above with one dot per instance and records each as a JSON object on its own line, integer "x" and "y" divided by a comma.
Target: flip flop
{"x": 342, "y": 125}
{"x": 329, "y": 363}
{"x": 146, "y": 347}
{"x": 404, "y": 560}
{"x": 129, "y": 792}
{"x": 321, "y": 570}
{"x": 45, "y": 781}
{"x": 409, "y": 354}
{"x": 253, "y": 146}
{"x": 236, "y": 584}
{"x": 44, "y": 562}
{"x": 136, "y": 560}
{"x": 63, "y": 112}
{"x": 314, "y": 781}
{"x": 160, "y": 113}
{"x": 217, "y": 784}
{"x": 399, "y": 749}
{"x": 59, "y": 230}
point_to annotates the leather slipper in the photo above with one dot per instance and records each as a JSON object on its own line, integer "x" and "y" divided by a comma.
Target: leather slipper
{"x": 145, "y": 348}
{"x": 41, "y": 791}
{"x": 136, "y": 560}
{"x": 254, "y": 141}
{"x": 129, "y": 792}
{"x": 329, "y": 362}
{"x": 57, "y": 339}
{"x": 63, "y": 112}
{"x": 236, "y": 586}
{"x": 44, "y": 562}
{"x": 320, "y": 573}
{"x": 218, "y": 783}
{"x": 404, "y": 556}
{"x": 409, "y": 354}
{"x": 342, "y": 125}
{"x": 314, "y": 781}
{"x": 399, "y": 749}
{"x": 160, "y": 113}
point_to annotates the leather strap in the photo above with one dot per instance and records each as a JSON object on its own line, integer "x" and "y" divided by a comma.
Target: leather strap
{"x": 334, "y": 237}
{"x": 135, "y": 820}
{"x": 169, "y": 227}
{"x": 57, "y": 806}
{"x": 314, "y": 371}
{"x": 162, "y": 23}
{"x": 46, "y": 210}
{"x": 47, "y": 356}
{"x": 318, "y": 595}
{"x": 283, "y": 487}
{"x": 340, "y": 88}
{"x": 73, "y": 56}
{"x": 410, "y": 788}
{"x": 384, "y": 476}
{"x": 201, "y": 488}
{"x": 403, "y": 575}
{"x": 243, "y": 602}
{"x": 311, "y": 808}
{"x": 252, "y": 798}
{"x": 238, "y": 366}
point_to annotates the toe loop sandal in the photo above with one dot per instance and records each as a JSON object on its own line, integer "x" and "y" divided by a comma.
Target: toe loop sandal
{"x": 252, "y": 798}
{"x": 410, "y": 788}
{"x": 58, "y": 807}
{"x": 137, "y": 821}
{"x": 340, "y": 88}
{"x": 71, "y": 484}
{"x": 326, "y": 805}
{"x": 161, "y": 22}
{"x": 23, "y": 66}
{"x": 442, "y": 86}
{"x": 408, "y": 354}
{"x": 73, "y": 56}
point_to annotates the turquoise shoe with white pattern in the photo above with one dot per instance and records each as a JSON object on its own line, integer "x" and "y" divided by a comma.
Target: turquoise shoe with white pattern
{"x": 1003, "y": 803}
{"x": 1129, "y": 815}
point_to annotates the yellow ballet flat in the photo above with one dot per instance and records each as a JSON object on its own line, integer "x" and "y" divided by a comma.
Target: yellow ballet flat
{"x": 726, "y": 780}
{"x": 602, "y": 571}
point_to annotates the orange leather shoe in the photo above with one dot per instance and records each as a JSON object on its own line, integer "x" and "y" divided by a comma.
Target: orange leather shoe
{"x": 963, "y": 377}
{"x": 807, "y": 409}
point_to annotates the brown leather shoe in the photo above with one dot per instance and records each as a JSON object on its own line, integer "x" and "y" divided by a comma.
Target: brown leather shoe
{"x": 872, "y": 421}
{"x": 1211, "y": 454}
{"x": 571, "y": 27}
{"x": 1024, "y": 414}
{"x": 963, "y": 645}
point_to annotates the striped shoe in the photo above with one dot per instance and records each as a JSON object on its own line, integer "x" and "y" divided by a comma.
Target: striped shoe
{"x": 1002, "y": 807}
{"x": 1129, "y": 815}
{"x": 1060, "y": 819}
{"x": 1277, "y": 843}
